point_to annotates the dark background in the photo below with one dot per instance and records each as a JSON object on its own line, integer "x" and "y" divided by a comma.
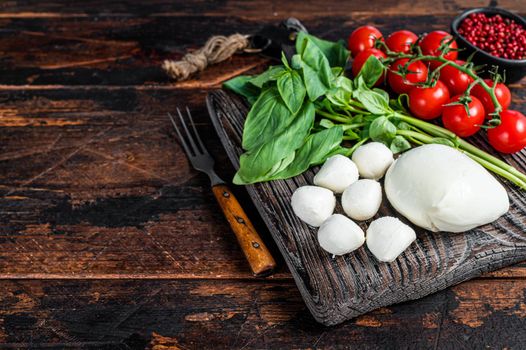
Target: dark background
{"x": 108, "y": 239}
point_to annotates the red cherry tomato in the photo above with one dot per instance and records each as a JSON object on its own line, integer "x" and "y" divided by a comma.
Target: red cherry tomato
{"x": 401, "y": 41}
{"x": 461, "y": 123}
{"x": 417, "y": 74}
{"x": 510, "y": 135}
{"x": 502, "y": 93}
{"x": 432, "y": 42}
{"x": 363, "y": 38}
{"x": 427, "y": 102}
{"x": 456, "y": 81}
{"x": 359, "y": 61}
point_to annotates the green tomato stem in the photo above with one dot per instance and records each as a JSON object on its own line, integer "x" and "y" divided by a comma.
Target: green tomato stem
{"x": 446, "y": 62}
{"x": 438, "y": 131}
{"x": 355, "y": 146}
{"x": 336, "y": 117}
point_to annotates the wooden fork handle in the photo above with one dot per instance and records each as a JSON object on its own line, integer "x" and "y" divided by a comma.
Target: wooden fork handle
{"x": 258, "y": 256}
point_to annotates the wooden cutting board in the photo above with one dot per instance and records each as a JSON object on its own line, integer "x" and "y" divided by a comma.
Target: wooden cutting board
{"x": 340, "y": 288}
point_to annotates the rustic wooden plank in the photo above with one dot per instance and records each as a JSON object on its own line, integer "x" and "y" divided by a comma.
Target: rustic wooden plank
{"x": 94, "y": 184}
{"x": 249, "y": 9}
{"x": 110, "y": 51}
{"x": 252, "y": 314}
{"x": 340, "y": 288}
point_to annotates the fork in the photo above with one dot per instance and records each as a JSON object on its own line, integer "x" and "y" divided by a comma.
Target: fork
{"x": 257, "y": 254}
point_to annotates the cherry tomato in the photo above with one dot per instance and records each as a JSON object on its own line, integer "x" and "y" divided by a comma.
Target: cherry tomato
{"x": 401, "y": 41}
{"x": 456, "y": 81}
{"x": 432, "y": 42}
{"x": 510, "y": 135}
{"x": 359, "y": 61}
{"x": 363, "y": 38}
{"x": 502, "y": 93}
{"x": 427, "y": 102}
{"x": 461, "y": 123}
{"x": 417, "y": 74}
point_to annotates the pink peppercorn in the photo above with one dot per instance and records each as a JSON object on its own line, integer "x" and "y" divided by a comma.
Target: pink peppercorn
{"x": 501, "y": 37}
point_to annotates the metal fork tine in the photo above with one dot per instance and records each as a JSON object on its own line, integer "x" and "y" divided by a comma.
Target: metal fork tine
{"x": 181, "y": 139}
{"x": 195, "y": 130}
{"x": 190, "y": 138}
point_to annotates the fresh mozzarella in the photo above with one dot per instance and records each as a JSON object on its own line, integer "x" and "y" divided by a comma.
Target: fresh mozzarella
{"x": 388, "y": 237}
{"x": 362, "y": 199}
{"x": 313, "y": 204}
{"x": 372, "y": 160}
{"x": 441, "y": 189}
{"x": 340, "y": 235}
{"x": 337, "y": 174}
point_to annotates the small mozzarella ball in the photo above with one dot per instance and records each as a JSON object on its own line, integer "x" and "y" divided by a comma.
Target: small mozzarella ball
{"x": 388, "y": 237}
{"x": 372, "y": 160}
{"x": 362, "y": 199}
{"x": 340, "y": 235}
{"x": 313, "y": 204}
{"x": 337, "y": 174}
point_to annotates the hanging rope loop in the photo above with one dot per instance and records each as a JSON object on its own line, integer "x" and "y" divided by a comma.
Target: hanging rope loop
{"x": 217, "y": 48}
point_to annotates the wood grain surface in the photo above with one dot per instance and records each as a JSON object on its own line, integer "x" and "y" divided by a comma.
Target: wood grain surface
{"x": 255, "y": 250}
{"x": 108, "y": 238}
{"x": 337, "y": 289}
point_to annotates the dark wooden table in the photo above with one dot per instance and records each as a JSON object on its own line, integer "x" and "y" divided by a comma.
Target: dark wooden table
{"x": 110, "y": 240}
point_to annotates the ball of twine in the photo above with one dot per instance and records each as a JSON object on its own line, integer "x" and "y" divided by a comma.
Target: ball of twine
{"x": 217, "y": 48}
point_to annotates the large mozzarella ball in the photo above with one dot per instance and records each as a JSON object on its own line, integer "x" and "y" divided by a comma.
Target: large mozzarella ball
{"x": 340, "y": 235}
{"x": 337, "y": 174}
{"x": 372, "y": 160}
{"x": 362, "y": 199}
{"x": 388, "y": 237}
{"x": 313, "y": 204}
{"x": 441, "y": 189}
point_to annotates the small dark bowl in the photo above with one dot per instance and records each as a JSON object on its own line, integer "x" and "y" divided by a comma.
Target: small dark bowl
{"x": 514, "y": 69}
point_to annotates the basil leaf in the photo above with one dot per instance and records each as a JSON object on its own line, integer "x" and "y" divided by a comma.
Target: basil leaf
{"x": 399, "y": 144}
{"x": 371, "y": 71}
{"x": 270, "y": 74}
{"x": 443, "y": 141}
{"x": 373, "y": 101}
{"x": 241, "y": 86}
{"x": 255, "y": 165}
{"x": 315, "y": 87}
{"x": 282, "y": 164}
{"x": 335, "y": 52}
{"x": 341, "y": 94}
{"x": 326, "y": 123}
{"x": 382, "y": 130}
{"x": 315, "y": 58}
{"x": 315, "y": 150}
{"x": 292, "y": 90}
{"x": 268, "y": 117}
{"x": 284, "y": 60}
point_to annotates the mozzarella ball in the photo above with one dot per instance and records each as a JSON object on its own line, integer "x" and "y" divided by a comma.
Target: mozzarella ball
{"x": 313, "y": 204}
{"x": 340, "y": 235}
{"x": 388, "y": 237}
{"x": 337, "y": 174}
{"x": 362, "y": 199}
{"x": 372, "y": 160}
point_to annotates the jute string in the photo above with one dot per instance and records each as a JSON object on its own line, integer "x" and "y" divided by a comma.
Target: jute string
{"x": 217, "y": 49}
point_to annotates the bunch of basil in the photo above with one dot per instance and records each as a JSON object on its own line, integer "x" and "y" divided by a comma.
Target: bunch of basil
{"x": 280, "y": 136}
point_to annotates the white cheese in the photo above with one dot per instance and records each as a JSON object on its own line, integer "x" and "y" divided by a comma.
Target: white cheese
{"x": 372, "y": 160}
{"x": 340, "y": 235}
{"x": 388, "y": 237}
{"x": 441, "y": 189}
{"x": 336, "y": 174}
{"x": 362, "y": 199}
{"x": 313, "y": 204}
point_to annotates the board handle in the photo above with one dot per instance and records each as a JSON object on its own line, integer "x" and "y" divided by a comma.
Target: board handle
{"x": 261, "y": 261}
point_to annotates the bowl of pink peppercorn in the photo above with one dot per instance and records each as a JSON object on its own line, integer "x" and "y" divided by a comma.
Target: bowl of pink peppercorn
{"x": 498, "y": 38}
